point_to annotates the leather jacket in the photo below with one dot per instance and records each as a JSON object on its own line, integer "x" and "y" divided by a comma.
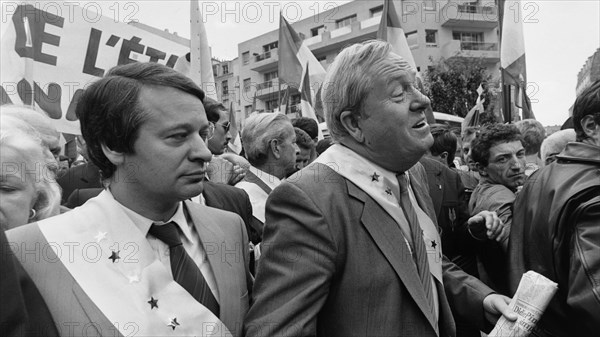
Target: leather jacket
{"x": 556, "y": 232}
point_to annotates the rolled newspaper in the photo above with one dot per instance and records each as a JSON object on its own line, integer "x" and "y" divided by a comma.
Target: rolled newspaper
{"x": 529, "y": 302}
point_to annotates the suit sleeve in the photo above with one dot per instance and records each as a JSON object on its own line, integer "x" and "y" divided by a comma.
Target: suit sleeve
{"x": 296, "y": 267}
{"x": 584, "y": 274}
{"x": 465, "y": 294}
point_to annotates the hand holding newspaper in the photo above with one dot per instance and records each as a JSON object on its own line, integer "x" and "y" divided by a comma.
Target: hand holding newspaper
{"x": 531, "y": 299}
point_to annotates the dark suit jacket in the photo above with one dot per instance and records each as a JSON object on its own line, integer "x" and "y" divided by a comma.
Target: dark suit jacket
{"x": 335, "y": 263}
{"x": 452, "y": 213}
{"x": 79, "y": 177}
{"x": 23, "y": 312}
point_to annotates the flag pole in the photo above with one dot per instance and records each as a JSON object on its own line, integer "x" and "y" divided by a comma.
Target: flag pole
{"x": 506, "y": 99}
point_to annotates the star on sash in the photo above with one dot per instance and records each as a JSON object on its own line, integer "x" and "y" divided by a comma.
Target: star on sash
{"x": 153, "y": 303}
{"x": 375, "y": 177}
{"x": 114, "y": 256}
{"x": 173, "y": 323}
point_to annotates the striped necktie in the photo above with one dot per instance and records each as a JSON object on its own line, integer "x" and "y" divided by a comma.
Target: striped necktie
{"x": 419, "y": 250}
{"x": 185, "y": 271}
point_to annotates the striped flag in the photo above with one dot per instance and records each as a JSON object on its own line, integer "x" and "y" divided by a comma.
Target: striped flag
{"x": 306, "y": 99}
{"x": 235, "y": 143}
{"x": 472, "y": 117}
{"x": 197, "y": 64}
{"x": 284, "y": 107}
{"x": 391, "y": 31}
{"x": 294, "y": 55}
{"x": 512, "y": 57}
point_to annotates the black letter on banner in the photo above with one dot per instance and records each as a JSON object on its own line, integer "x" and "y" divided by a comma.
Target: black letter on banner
{"x": 49, "y": 103}
{"x": 37, "y": 21}
{"x": 172, "y": 60}
{"x": 71, "y": 116}
{"x": 127, "y": 47}
{"x": 155, "y": 54}
{"x": 4, "y": 96}
{"x": 89, "y": 64}
{"x": 25, "y": 92}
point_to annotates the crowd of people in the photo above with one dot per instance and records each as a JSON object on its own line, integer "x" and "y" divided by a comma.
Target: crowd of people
{"x": 390, "y": 227}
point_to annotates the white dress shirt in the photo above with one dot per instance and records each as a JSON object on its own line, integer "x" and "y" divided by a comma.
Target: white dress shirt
{"x": 190, "y": 239}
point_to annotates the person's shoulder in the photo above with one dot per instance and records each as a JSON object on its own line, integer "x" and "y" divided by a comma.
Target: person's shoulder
{"x": 210, "y": 187}
{"x": 316, "y": 176}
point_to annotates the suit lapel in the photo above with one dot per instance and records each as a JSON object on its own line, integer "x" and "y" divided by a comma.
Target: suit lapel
{"x": 215, "y": 244}
{"x": 389, "y": 239}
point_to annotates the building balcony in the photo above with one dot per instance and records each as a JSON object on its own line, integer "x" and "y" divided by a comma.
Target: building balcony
{"x": 486, "y": 51}
{"x": 269, "y": 89}
{"x": 455, "y": 15}
{"x": 334, "y": 40}
{"x": 265, "y": 61}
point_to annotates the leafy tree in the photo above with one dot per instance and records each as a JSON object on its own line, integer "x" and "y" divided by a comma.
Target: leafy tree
{"x": 452, "y": 84}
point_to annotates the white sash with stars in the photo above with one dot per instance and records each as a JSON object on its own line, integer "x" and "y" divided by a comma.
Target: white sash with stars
{"x": 86, "y": 238}
{"x": 383, "y": 187}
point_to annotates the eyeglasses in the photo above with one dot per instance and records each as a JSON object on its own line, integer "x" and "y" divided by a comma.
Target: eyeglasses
{"x": 225, "y": 126}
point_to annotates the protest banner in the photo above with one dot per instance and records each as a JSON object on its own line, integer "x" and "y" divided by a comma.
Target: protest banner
{"x": 50, "y": 54}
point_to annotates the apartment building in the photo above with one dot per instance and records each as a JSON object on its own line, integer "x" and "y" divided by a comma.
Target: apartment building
{"x": 434, "y": 29}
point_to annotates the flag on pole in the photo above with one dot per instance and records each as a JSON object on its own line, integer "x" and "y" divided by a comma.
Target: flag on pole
{"x": 235, "y": 143}
{"x": 198, "y": 66}
{"x": 284, "y": 108}
{"x": 306, "y": 99}
{"x": 390, "y": 30}
{"x": 254, "y": 102}
{"x": 293, "y": 55}
{"x": 512, "y": 55}
{"x": 472, "y": 117}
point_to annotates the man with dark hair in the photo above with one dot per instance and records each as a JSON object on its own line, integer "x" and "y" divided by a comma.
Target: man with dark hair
{"x": 159, "y": 263}
{"x": 500, "y": 158}
{"x": 311, "y": 127}
{"x": 306, "y": 146}
{"x": 444, "y": 144}
{"x": 556, "y": 228}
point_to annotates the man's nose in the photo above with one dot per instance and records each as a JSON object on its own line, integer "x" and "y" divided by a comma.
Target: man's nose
{"x": 199, "y": 150}
{"x": 420, "y": 101}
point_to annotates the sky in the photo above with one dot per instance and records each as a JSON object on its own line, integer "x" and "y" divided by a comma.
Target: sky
{"x": 559, "y": 35}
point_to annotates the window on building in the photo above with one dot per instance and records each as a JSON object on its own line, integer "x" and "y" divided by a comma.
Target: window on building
{"x": 270, "y": 46}
{"x": 271, "y": 105}
{"x": 429, "y": 5}
{"x": 271, "y": 75}
{"x": 317, "y": 30}
{"x": 246, "y": 85}
{"x": 215, "y": 71}
{"x": 431, "y": 37}
{"x": 248, "y": 110}
{"x": 347, "y": 21}
{"x": 412, "y": 39}
{"x": 246, "y": 57}
{"x": 377, "y": 11}
{"x": 469, "y": 40}
{"x": 468, "y": 36}
{"x": 225, "y": 88}
{"x": 225, "y": 69}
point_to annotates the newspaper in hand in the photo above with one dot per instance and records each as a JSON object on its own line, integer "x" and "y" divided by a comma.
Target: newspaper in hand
{"x": 531, "y": 299}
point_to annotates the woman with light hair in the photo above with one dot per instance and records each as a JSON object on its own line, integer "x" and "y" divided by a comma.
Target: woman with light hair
{"x": 28, "y": 187}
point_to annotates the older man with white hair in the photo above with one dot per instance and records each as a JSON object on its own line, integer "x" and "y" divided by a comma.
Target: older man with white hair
{"x": 350, "y": 243}
{"x": 269, "y": 141}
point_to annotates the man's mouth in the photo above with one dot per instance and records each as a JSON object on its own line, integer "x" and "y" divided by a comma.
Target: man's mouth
{"x": 420, "y": 124}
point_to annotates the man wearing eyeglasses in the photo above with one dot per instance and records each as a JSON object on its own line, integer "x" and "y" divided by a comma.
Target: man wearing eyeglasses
{"x": 217, "y": 116}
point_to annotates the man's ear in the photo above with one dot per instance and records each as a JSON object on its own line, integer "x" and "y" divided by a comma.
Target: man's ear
{"x": 482, "y": 170}
{"x": 115, "y": 157}
{"x": 350, "y": 123}
{"x": 444, "y": 155}
{"x": 274, "y": 147}
{"x": 590, "y": 127}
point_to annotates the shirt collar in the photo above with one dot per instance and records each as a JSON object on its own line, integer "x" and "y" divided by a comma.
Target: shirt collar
{"x": 143, "y": 223}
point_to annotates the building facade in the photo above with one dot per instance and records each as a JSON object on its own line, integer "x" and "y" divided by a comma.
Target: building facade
{"x": 434, "y": 30}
